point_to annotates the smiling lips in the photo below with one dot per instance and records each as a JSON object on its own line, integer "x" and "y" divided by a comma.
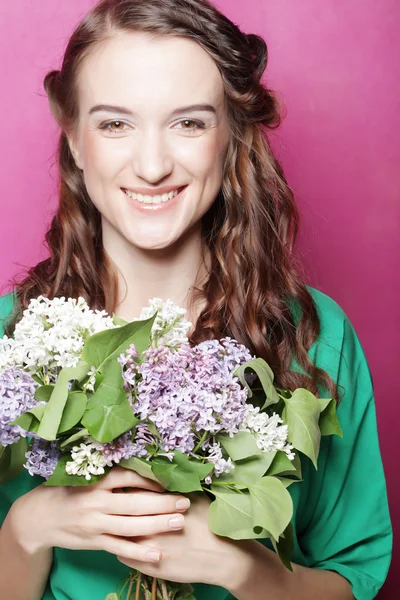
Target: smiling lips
{"x": 153, "y": 199}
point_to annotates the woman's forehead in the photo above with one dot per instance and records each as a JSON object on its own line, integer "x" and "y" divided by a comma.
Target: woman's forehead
{"x": 143, "y": 67}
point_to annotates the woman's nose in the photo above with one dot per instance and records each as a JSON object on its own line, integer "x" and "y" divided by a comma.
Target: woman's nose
{"x": 152, "y": 160}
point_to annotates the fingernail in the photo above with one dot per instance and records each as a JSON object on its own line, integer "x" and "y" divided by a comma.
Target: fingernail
{"x": 176, "y": 522}
{"x": 182, "y": 504}
{"x": 153, "y": 555}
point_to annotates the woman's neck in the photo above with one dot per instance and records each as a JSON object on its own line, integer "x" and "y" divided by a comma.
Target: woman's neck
{"x": 166, "y": 273}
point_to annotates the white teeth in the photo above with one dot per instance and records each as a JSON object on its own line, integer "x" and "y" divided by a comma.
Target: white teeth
{"x": 152, "y": 199}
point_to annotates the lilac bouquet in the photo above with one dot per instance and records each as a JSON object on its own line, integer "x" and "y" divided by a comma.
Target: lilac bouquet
{"x": 81, "y": 391}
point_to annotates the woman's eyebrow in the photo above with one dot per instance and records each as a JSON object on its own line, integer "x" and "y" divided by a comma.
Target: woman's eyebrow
{"x": 126, "y": 111}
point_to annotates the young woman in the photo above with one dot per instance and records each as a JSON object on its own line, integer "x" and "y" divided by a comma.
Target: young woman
{"x": 169, "y": 188}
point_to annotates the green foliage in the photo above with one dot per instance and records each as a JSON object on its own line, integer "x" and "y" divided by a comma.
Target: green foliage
{"x": 108, "y": 413}
{"x": 230, "y": 514}
{"x": 284, "y": 547}
{"x": 266, "y": 377}
{"x": 51, "y": 418}
{"x": 328, "y": 421}
{"x": 141, "y": 466}
{"x": 30, "y": 420}
{"x": 43, "y": 393}
{"x": 106, "y": 346}
{"x": 272, "y": 506}
{"x": 73, "y": 411}
{"x": 301, "y": 414}
{"x": 249, "y": 470}
{"x": 241, "y": 445}
{"x": 182, "y": 474}
{"x": 12, "y": 460}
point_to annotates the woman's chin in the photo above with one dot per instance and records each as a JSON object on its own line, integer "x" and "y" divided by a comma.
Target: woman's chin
{"x": 149, "y": 242}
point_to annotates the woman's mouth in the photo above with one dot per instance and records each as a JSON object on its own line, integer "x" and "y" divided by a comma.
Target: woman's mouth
{"x": 154, "y": 201}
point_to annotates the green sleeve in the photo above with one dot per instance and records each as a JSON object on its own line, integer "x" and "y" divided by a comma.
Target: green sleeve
{"x": 348, "y": 527}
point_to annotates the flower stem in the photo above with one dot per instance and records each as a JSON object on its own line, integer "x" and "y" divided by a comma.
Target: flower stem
{"x": 164, "y": 590}
{"x": 138, "y": 582}
{"x": 154, "y": 589}
{"x": 203, "y": 437}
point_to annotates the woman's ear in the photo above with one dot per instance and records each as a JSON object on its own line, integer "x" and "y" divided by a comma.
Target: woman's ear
{"x": 74, "y": 147}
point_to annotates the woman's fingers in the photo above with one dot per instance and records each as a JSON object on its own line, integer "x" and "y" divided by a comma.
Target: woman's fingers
{"x": 119, "y": 477}
{"x": 144, "y": 503}
{"x": 128, "y": 549}
{"x": 139, "y": 526}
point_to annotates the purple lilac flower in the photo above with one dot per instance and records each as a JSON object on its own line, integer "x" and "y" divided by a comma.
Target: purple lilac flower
{"x": 17, "y": 390}
{"x": 128, "y": 364}
{"x": 42, "y": 458}
{"x": 231, "y": 353}
{"x": 123, "y": 447}
{"x": 190, "y": 391}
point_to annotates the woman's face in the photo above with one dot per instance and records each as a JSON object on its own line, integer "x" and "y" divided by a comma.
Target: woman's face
{"x": 135, "y": 134}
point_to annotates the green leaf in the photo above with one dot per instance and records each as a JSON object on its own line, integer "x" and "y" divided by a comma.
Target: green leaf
{"x": 301, "y": 414}
{"x": 201, "y": 470}
{"x": 73, "y": 411}
{"x": 118, "y": 321}
{"x": 153, "y": 429}
{"x": 285, "y": 546}
{"x": 54, "y": 409}
{"x": 281, "y": 464}
{"x": 30, "y": 420}
{"x": 242, "y": 445}
{"x": 186, "y": 475}
{"x": 163, "y": 469}
{"x": 249, "y": 470}
{"x": 112, "y": 596}
{"x": 265, "y": 375}
{"x": 73, "y": 438}
{"x": 328, "y": 421}
{"x": 105, "y": 346}
{"x": 108, "y": 413}
{"x": 231, "y": 515}
{"x": 43, "y": 393}
{"x": 12, "y": 459}
{"x": 141, "y": 466}
{"x": 272, "y": 506}
{"x": 60, "y": 477}
{"x": 286, "y": 481}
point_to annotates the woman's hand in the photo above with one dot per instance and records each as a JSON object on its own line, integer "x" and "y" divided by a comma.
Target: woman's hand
{"x": 95, "y": 517}
{"x": 194, "y": 554}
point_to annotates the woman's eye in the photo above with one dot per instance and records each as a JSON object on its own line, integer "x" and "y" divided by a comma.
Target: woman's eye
{"x": 198, "y": 125}
{"x": 109, "y": 126}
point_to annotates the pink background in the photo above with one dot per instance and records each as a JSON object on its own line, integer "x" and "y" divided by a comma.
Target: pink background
{"x": 335, "y": 64}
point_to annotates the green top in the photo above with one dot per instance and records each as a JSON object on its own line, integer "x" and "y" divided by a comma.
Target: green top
{"x": 341, "y": 518}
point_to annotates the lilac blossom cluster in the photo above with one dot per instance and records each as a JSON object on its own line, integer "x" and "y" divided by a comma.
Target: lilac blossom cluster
{"x": 42, "y": 458}
{"x": 190, "y": 394}
{"x": 17, "y": 389}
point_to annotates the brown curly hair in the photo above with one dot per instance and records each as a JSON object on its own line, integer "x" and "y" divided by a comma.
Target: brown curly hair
{"x": 254, "y": 292}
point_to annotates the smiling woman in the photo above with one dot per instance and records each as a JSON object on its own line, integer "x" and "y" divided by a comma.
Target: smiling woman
{"x": 169, "y": 188}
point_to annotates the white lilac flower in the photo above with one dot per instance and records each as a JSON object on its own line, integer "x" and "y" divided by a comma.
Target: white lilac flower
{"x": 221, "y": 465}
{"x": 86, "y": 461}
{"x": 89, "y": 385}
{"x": 170, "y": 326}
{"x": 52, "y": 333}
{"x": 268, "y": 431}
{"x": 6, "y": 353}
